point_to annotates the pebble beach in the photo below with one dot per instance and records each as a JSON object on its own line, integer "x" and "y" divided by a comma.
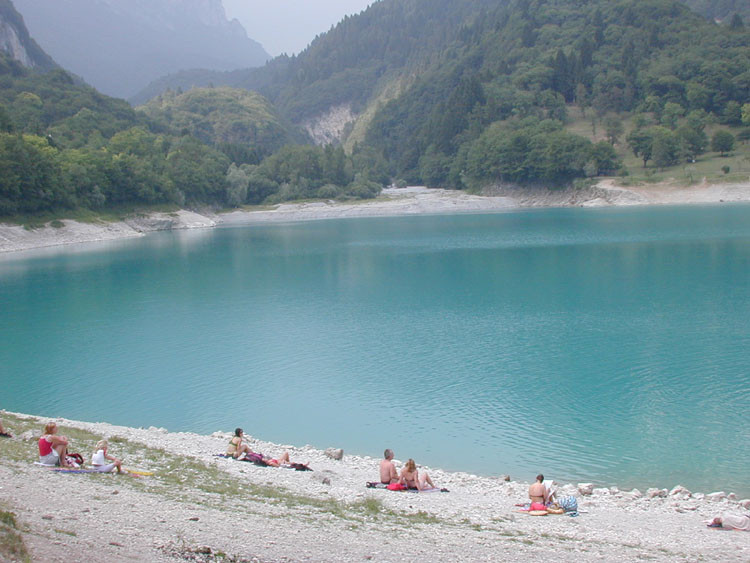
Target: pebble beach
{"x": 197, "y": 506}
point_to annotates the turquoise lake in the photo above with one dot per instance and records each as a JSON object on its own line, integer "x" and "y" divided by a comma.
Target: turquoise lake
{"x": 602, "y": 345}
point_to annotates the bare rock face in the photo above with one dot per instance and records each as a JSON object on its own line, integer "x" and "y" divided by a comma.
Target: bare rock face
{"x": 335, "y": 453}
{"x": 586, "y": 488}
{"x": 330, "y": 126}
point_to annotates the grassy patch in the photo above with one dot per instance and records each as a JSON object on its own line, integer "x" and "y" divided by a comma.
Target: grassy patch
{"x": 12, "y": 547}
{"x": 709, "y": 165}
{"x": 66, "y": 532}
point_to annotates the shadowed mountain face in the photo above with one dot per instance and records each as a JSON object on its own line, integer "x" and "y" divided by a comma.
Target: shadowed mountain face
{"x": 119, "y": 46}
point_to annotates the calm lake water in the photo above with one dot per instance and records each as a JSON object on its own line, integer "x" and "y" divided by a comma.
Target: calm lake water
{"x": 607, "y": 345}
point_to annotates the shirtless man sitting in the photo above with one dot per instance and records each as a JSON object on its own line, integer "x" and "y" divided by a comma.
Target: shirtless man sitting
{"x": 388, "y": 473}
{"x": 538, "y": 492}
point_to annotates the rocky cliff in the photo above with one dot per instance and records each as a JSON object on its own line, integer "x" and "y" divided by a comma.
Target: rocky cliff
{"x": 15, "y": 40}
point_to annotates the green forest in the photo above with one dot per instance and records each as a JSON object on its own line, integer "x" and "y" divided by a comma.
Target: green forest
{"x": 459, "y": 94}
{"x": 65, "y": 146}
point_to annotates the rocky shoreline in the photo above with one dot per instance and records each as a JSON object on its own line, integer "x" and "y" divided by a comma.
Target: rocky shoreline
{"x": 197, "y": 506}
{"x": 393, "y": 201}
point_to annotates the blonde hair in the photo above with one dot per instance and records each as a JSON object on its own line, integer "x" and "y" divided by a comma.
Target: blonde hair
{"x": 102, "y": 445}
{"x": 411, "y": 466}
{"x": 49, "y": 427}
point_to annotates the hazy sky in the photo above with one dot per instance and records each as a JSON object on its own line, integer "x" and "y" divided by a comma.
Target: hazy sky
{"x": 288, "y": 26}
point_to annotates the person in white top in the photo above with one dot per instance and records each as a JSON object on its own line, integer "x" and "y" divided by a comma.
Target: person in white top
{"x": 102, "y": 461}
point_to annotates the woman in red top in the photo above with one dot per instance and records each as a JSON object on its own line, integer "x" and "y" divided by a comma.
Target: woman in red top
{"x": 53, "y": 449}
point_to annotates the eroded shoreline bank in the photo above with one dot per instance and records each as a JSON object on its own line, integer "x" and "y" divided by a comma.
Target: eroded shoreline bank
{"x": 392, "y": 202}
{"x": 195, "y": 499}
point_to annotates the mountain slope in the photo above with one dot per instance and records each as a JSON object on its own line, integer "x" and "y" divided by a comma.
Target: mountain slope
{"x": 119, "y": 46}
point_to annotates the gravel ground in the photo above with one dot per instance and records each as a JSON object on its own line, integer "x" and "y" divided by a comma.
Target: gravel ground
{"x": 200, "y": 507}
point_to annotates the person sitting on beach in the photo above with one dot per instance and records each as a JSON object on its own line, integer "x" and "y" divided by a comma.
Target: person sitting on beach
{"x": 539, "y": 492}
{"x": 388, "y": 473}
{"x": 236, "y": 447}
{"x": 3, "y": 433}
{"x": 101, "y": 457}
{"x": 239, "y": 450}
{"x": 53, "y": 449}
{"x": 732, "y": 522}
{"x": 411, "y": 479}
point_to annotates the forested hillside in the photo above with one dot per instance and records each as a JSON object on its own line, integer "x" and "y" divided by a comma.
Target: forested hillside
{"x": 464, "y": 93}
{"x": 491, "y": 108}
{"x": 234, "y": 118}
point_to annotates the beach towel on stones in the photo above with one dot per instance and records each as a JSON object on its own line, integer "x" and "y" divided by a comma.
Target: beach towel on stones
{"x": 377, "y": 485}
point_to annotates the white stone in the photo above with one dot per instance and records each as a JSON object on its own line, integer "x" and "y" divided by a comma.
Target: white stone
{"x": 585, "y": 488}
{"x": 680, "y": 491}
{"x": 635, "y": 493}
{"x": 732, "y": 496}
{"x": 335, "y": 453}
{"x": 601, "y": 492}
{"x": 745, "y": 503}
{"x": 653, "y": 493}
{"x": 719, "y": 495}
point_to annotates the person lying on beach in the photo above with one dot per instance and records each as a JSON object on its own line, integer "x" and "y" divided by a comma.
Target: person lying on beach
{"x": 53, "y": 449}
{"x": 388, "y": 473}
{"x": 411, "y": 479}
{"x": 540, "y": 493}
{"x": 732, "y": 522}
{"x": 101, "y": 457}
{"x": 239, "y": 450}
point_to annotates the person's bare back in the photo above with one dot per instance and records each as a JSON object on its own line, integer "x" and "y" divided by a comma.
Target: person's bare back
{"x": 388, "y": 473}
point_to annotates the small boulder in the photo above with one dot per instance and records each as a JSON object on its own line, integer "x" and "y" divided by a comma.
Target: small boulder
{"x": 635, "y": 493}
{"x": 504, "y": 478}
{"x": 745, "y": 503}
{"x": 680, "y": 491}
{"x": 335, "y": 453}
{"x": 719, "y": 495}
{"x": 26, "y": 436}
{"x": 601, "y": 492}
{"x": 654, "y": 493}
{"x": 586, "y": 488}
{"x": 732, "y": 496}
{"x": 614, "y": 491}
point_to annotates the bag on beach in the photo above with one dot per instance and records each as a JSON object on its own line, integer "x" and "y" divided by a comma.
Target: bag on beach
{"x": 75, "y": 459}
{"x": 568, "y": 504}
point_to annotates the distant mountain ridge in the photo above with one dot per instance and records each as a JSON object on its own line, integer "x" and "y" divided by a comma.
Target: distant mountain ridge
{"x": 120, "y": 46}
{"x": 16, "y": 42}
